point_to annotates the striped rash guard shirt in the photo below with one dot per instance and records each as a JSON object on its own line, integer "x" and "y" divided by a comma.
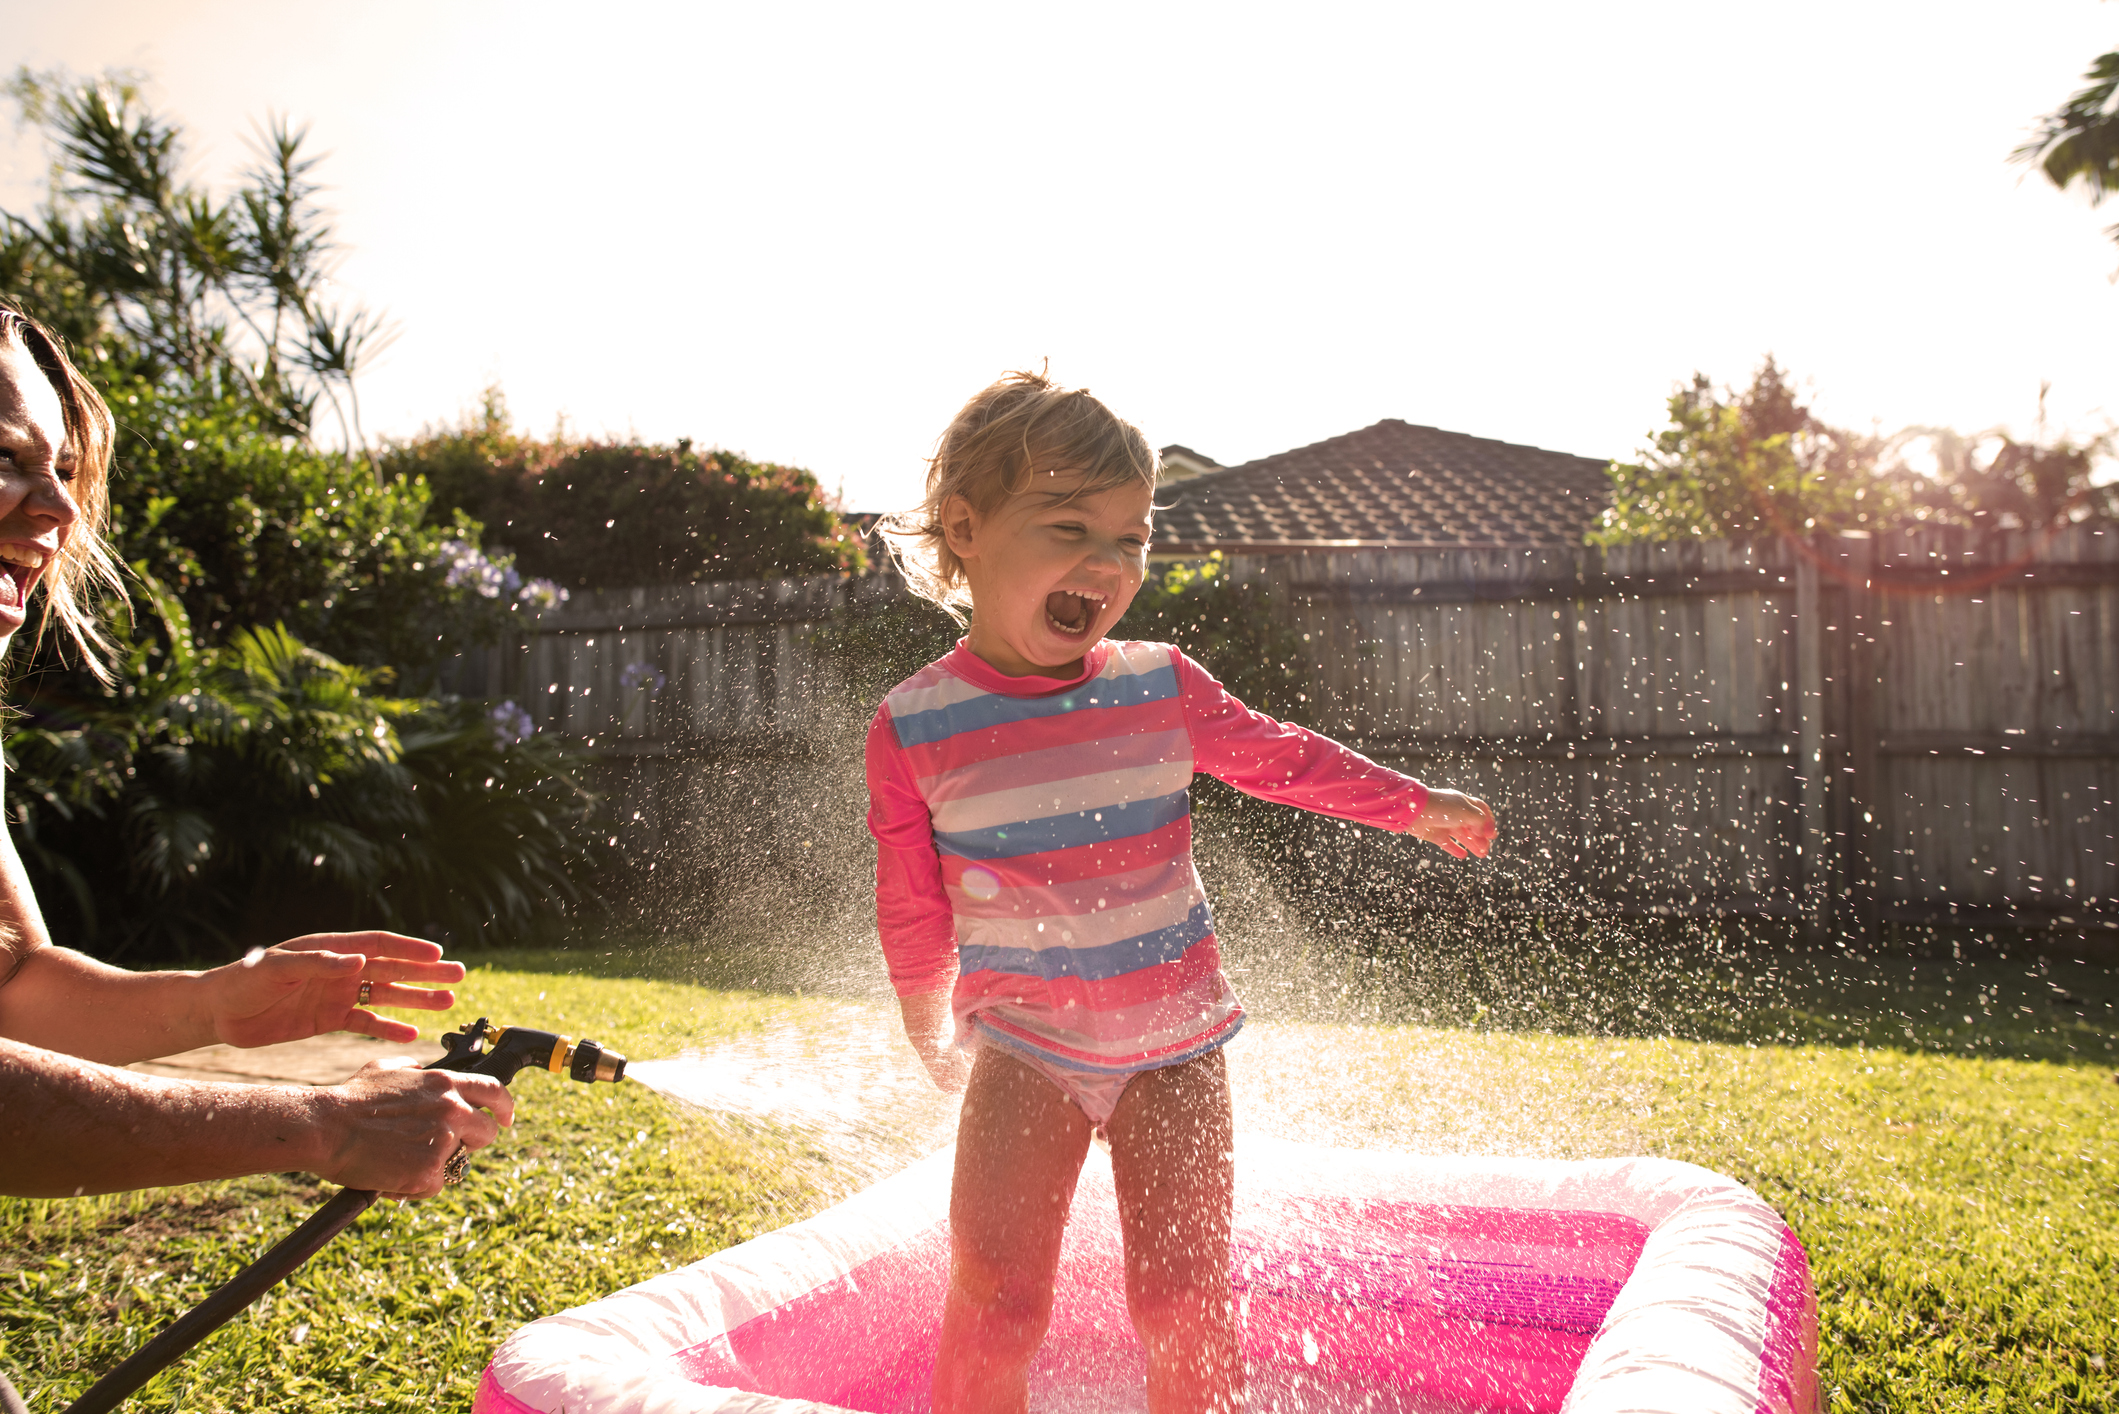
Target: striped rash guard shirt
{"x": 1035, "y": 840}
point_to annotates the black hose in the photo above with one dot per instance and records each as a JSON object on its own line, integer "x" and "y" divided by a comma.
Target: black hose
{"x": 478, "y": 1049}
{"x": 216, "y": 1310}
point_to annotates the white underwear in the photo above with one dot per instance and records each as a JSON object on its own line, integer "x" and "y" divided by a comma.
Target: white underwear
{"x": 1094, "y": 1092}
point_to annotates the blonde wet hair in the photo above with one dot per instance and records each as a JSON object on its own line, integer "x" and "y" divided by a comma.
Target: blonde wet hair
{"x": 1015, "y": 427}
{"x": 85, "y": 566}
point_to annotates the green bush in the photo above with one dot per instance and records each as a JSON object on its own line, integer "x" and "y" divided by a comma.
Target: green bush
{"x": 613, "y": 514}
{"x": 1231, "y": 627}
{"x": 876, "y": 647}
{"x": 1758, "y": 462}
{"x": 149, "y": 274}
{"x": 248, "y": 529}
{"x": 1743, "y": 465}
{"x": 221, "y": 797}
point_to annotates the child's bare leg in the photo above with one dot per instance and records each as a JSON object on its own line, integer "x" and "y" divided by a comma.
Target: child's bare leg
{"x": 1170, "y": 1154}
{"x": 1019, "y": 1151}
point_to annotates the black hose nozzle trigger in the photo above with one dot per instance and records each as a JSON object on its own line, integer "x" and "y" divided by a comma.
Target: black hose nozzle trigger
{"x": 484, "y": 1049}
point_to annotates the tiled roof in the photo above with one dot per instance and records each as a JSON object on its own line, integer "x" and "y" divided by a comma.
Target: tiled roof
{"x": 1181, "y": 462}
{"x": 1392, "y": 484}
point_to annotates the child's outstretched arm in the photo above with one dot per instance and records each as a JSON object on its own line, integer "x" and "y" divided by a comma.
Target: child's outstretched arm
{"x": 1460, "y": 824}
{"x": 1293, "y": 765}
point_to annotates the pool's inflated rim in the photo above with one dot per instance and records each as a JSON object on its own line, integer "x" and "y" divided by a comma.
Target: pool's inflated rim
{"x": 1718, "y": 1316}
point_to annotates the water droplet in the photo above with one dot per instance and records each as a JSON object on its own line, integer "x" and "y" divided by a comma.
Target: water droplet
{"x": 981, "y": 884}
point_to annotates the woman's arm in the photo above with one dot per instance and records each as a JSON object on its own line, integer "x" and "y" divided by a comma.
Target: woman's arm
{"x": 63, "y": 1001}
{"x": 58, "y": 999}
{"x": 22, "y": 928}
{"x": 69, "y": 1126}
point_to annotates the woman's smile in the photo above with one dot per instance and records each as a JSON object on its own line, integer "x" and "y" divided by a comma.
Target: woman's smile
{"x": 36, "y": 463}
{"x": 19, "y": 567}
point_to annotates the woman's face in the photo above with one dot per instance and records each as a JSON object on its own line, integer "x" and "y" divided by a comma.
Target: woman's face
{"x": 36, "y": 471}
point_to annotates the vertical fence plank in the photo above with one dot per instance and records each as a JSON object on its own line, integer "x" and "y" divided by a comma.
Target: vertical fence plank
{"x": 1810, "y": 689}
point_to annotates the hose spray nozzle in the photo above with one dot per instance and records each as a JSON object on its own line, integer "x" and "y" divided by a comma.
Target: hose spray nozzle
{"x": 501, "y": 1051}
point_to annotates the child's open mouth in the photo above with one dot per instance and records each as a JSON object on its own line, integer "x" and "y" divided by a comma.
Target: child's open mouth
{"x": 1071, "y": 612}
{"x": 18, "y": 568}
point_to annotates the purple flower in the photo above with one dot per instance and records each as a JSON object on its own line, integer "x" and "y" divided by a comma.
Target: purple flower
{"x": 541, "y": 595}
{"x": 468, "y": 565}
{"x": 642, "y": 676}
{"x": 510, "y": 723}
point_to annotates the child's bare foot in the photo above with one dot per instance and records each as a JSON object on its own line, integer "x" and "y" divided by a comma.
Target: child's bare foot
{"x": 1460, "y": 824}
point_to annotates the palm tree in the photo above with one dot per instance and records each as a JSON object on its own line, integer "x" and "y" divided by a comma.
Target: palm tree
{"x": 216, "y": 294}
{"x": 2081, "y": 140}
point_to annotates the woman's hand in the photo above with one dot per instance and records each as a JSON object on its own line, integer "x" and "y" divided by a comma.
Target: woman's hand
{"x": 393, "y": 1127}
{"x": 71, "y": 1127}
{"x": 1460, "y": 824}
{"x": 310, "y": 985}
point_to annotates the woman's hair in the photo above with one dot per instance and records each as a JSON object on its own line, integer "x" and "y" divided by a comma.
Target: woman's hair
{"x": 86, "y": 564}
{"x": 1011, "y": 429}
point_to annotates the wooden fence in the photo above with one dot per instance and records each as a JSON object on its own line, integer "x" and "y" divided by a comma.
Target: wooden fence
{"x": 1848, "y": 731}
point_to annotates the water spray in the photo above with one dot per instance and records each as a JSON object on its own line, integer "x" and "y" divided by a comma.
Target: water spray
{"x": 479, "y": 1049}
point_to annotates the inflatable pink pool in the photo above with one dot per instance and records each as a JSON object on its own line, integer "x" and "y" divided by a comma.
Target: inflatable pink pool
{"x": 1366, "y": 1281}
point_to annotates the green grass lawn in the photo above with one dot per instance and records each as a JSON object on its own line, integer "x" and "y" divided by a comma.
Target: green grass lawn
{"x": 596, "y": 1187}
{"x": 1958, "y": 1193}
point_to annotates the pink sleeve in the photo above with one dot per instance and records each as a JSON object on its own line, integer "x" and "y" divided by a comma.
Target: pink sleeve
{"x": 912, "y": 909}
{"x": 1289, "y": 764}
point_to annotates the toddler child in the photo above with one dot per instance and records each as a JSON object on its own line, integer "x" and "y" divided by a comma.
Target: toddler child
{"x": 1043, "y": 923}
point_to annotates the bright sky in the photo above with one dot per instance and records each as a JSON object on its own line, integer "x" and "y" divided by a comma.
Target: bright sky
{"x": 808, "y": 232}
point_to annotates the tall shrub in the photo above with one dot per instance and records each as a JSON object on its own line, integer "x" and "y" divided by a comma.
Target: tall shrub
{"x": 1757, "y": 462}
{"x": 610, "y": 514}
{"x": 1230, "y": 627}
{"x": 248, "y": 528}
{"x": 1742, "y": 464}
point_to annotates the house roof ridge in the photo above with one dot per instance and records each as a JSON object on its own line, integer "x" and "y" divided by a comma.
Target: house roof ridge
{"x": 1220, "y": 472}
{"x": 1420, "y": 427}
{"x": 1392, "y": 481}
{"x": 1489, "y": 441}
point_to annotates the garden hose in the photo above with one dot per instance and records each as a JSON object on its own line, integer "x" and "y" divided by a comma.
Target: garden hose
{"x": 481, "y": 1049}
